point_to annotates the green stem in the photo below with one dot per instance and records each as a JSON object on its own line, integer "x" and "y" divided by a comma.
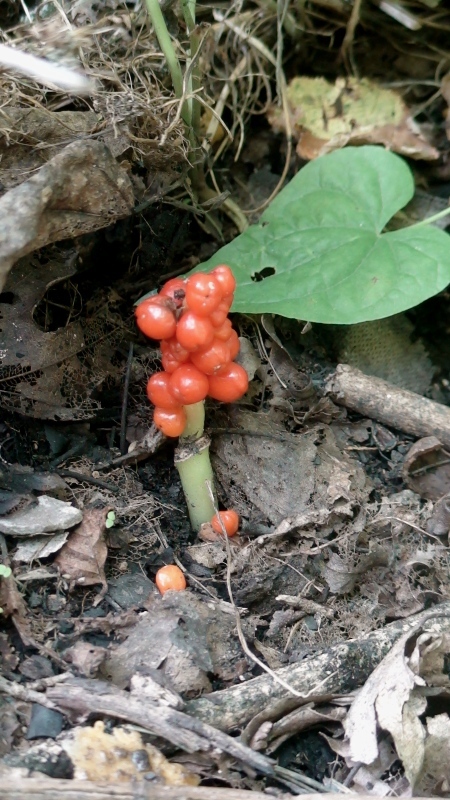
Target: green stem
{"x": 429, "y": 220}
{"x": 188, "y": 9}
{"x": 195, "y": 424}
{"x": 165, "y": 43}
{"x": 194, "y": 468}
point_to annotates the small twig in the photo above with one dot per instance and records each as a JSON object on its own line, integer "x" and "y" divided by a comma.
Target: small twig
{"x": 19, "y": 692}
{"x": 67, "y": 473}
{"x": 123, "y": 416}
{"x": 351, "y": 27}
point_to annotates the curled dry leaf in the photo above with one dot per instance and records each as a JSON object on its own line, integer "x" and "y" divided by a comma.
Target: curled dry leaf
{"x": 86, "y": 658}
{"x": 342, "y": 577}
{"x": 426, "y": 468}
{"x": 390, "y": 700}
{"x": 83, "y": 557}
{"x": 18, "y": 160}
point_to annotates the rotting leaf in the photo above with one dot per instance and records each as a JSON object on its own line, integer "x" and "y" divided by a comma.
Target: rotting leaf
{"x": 284, "y": 475}
{"x": 439, "y": 522}
{"x": 82, "y": 189}
{"x": 435, "y": 777}
{"x": 183, "y": 638}
{"x": 42, "y": 373}
{"x": 327, "y": 116}
{"x": 82, "y": 558}
{"x": 342, "y": 577}
{"x": 426, "y": 468}
{"x": 85, "y": 658}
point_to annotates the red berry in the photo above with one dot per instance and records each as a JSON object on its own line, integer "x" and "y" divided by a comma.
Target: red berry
{"x": 174, "y": 348}
{"x": 230, "y": 384}
{"x": 170, "y": 422}
{"x": 210, "y": 359}
{"x": 224, "y": 276}
{"x": 224, "y": 331}
{"x": 234, "y": 344}
{"x": 170, "y": 577}
{"x": 194, "y": 332}
{"x": 155, "y": 318}
{"x": 175, "y": 289}
{"x": 173, "y": 354}
{"x": 188, "y": 384}
{"x": 203, "y": 294}
{"x": 219, "y": 316}
{"x": 159, "y": 393}
{"x": 230, "y": 521}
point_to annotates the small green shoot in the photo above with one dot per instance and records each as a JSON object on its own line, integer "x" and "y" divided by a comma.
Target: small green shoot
{"x": 319, "y": 253}
{"x": 5, "y": 572}
{"x": 110, "y": 519}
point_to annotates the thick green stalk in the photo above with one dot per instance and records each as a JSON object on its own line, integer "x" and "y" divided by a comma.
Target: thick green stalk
{"x": 194, "y": 467}
{"x": 195, "y": 415}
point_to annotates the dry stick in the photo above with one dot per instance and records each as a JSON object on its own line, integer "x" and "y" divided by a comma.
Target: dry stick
{"x": 351, "y": 27}
{"x": 84, "y": 697}
{"x": 123, "y": 415}
{"x": 380, "y": 400}
{"x": 345, "y": 666}
{"x": 16, "y": 785}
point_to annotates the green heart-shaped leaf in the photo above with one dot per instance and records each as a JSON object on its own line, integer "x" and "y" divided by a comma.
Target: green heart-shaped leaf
{"x": 318, "y": 253}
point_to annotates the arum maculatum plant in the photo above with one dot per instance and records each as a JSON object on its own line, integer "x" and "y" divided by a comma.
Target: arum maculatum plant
{"x": 198, "y": 347}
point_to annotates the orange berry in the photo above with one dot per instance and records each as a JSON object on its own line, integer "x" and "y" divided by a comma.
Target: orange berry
{"x": 175, "y": 289}
{"x": 194, "y": 332}
{"x": 223, "y": 332}
{"x": 224, "y": 276}
{"x": 171, "y": 422}
{"x": 212, "y": 358}
{"x": 234, "y": 344}
{"x": 170, "y": 578}
{"x": 170, "y": 364}
{"x": 230, "y": 384}
{"x": 230, "y": 521}
{"x": 203, "y": 294}
{"x": 219, "y": 316}
{"x": 155, "y": 318}
{"x": 159, "y": 393}
{"x": 188, "y": 385}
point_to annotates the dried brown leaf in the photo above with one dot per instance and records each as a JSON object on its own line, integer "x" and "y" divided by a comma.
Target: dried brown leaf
{"x": 390, "y": 701}
{"x": 342, "y": 577}
{"x": 81, "y": 189}
{"x": 83, "y": 556}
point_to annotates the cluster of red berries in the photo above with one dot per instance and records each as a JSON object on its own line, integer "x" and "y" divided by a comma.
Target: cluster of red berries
{"x": 198, "y": 345}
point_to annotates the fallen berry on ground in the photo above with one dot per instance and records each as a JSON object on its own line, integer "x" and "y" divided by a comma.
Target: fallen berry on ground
{"x": 171, "y": 578}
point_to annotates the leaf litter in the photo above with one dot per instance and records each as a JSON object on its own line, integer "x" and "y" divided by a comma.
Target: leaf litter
{"x": 341, "y": 534}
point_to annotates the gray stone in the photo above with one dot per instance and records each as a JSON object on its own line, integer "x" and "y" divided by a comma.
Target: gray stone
{"x": 46, "y": 516}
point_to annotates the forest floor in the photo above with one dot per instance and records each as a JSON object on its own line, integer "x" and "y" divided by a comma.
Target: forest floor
{"x": 310, "y": 653}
